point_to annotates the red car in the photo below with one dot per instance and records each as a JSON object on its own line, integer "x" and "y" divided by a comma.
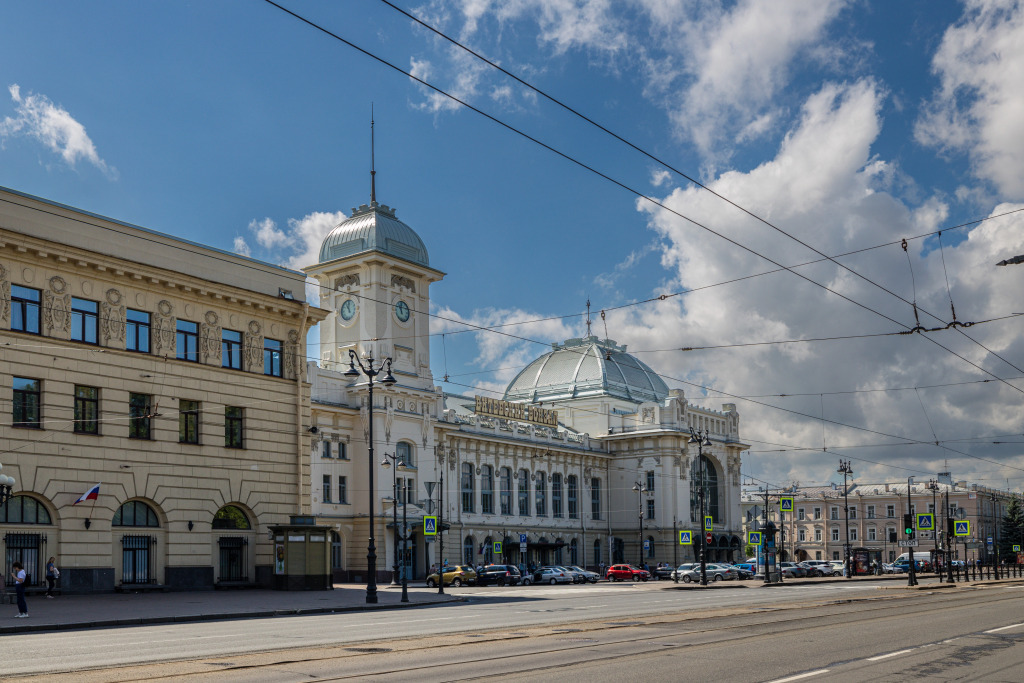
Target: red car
{"x": 625, "y": 572}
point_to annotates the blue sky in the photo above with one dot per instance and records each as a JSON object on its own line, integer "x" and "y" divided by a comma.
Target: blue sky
{"x": 847, "y": 124}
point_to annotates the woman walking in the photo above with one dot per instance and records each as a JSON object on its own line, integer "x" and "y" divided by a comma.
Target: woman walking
{"x": 18, "y": 573}
{"x": 52, "y": 574}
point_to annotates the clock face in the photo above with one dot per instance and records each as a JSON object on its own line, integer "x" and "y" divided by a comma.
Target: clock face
{"x": 348, "y": 309}
{"x": 402, "y": 311}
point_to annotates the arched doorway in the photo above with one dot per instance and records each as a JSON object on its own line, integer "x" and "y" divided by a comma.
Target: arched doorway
{"x": 233, "y": 549}
{"x": 26, "y": 545}
{"x": 138, "y": 547}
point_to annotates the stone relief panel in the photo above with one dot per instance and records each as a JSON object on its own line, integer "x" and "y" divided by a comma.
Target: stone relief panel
{"x": 164, "y": 329}
{"x": 5, "y": 298}
{"x": 210, "y": 346}
{"x": 350, "y": 280}
{"x": 402, "y": 281}
{"x": 57, "y": 309}
{"x": 112, "y": 323}
{"x": 253, "y": 353}
{"x": 292, "y": 367}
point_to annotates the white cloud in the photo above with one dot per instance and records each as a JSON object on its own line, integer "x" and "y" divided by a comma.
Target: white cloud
{"x": 979, "y": 106}
{"x": 659, "y": 177}
{"x": 241, "y": 246}
{"x": 267, "y": 233}
{"x": 39, "y": 118}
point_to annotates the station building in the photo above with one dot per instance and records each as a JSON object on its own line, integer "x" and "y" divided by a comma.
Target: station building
{"x": 169, "y": 374}
{"x": 584, "y": 460}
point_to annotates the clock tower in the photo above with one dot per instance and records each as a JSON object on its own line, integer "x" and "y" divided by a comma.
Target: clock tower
{"x": 375, "y": 277}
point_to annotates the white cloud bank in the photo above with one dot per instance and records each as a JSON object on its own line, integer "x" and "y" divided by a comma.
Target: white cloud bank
{"x": 38, "y": 118}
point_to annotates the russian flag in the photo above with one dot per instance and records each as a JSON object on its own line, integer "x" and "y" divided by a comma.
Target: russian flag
{"x": 91, "y": 494}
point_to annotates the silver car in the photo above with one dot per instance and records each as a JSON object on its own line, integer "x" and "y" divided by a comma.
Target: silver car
{"x": 688, "y": 573}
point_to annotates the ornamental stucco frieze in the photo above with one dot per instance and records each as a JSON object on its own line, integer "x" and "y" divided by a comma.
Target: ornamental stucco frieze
{"x": 112, "y": 322}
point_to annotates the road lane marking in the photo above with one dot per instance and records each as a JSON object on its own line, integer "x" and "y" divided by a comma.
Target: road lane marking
{"x": 1003, "y": 628}
{"x": 800, "y": 676}
{"x": 891, "y": 654}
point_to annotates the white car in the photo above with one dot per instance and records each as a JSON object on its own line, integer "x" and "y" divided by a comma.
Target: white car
{"x": 822, "y": 567}
{"x": 552, "y": 575}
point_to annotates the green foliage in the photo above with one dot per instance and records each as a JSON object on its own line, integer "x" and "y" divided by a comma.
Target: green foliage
{"x": 1011, "y": 530}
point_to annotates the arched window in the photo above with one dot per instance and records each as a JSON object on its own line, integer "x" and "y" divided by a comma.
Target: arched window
{"x": 135, "y": 513}
{"x": 467, "y": 550}
{"x": 488, "y": 551}
{"x": 573, "y": 552}
{"x": 335, "y": 550}
{"x": 542, "y": 494}
{"x": 559, "y": 544}
{"x": 231, "y": 517}
{"x": 506, "y": 491}
{"x": 403, "y": 452}
{"x": 710, "y": 489}
{"x": 597, "y": 553}
{"x": 573, "y": 486}
{"x": 24, "y": 510}
{"x": 524, "y": 493}
{"x": 467, "y": 487}
{"x": 487, "y": 490}
{"x": 650, "y": 547}
{"x": 556, "y": 495}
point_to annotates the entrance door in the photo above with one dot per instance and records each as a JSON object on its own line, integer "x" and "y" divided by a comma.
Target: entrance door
{"x": 407, "y": 560}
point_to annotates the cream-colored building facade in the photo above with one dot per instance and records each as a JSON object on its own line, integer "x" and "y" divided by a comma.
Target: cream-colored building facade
{"x": 509, "y": 489}
{"x": 167, "y": 372}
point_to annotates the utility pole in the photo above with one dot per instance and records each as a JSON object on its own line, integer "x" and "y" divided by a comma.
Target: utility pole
{"x": 701, "y": 439}
{"x": 846, "y": 469}
{"x": 640, "y": 490}
{"x": 908, "y": 527}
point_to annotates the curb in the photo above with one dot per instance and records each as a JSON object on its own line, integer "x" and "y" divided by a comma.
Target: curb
{"x": 186, "y": 618}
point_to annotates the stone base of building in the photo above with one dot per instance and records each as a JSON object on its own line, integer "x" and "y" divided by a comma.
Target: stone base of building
{"x": 302, "y": 582}
{"x": 84, "y": 580}
{"x": 189, "y": 578}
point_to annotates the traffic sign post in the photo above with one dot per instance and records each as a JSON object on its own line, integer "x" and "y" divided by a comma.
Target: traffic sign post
{"x": 497, "y": 548}
{"x": 962, "y": 527}
{"x": 910, "y": 543}
{"x": 925, "y": 521}
{"x": 786, "y": 504}
{"x": 754, "y": 538}
{"x": 685, "y": 538}
{"x": 429, "y": 525}
{"x": 709, "y": 524}
{"x": 707, "y": 537}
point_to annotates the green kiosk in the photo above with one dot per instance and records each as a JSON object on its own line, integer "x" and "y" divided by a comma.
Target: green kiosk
{"x": 302, "y": 556}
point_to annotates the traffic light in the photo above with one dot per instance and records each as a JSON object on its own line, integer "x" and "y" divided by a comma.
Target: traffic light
{"x": 908, "y": 525}
{"x": 950, "y": 527}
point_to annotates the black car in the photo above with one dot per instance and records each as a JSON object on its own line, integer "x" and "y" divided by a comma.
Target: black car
{"x": 499, "y": 575}
{"x": 663, "y": 572}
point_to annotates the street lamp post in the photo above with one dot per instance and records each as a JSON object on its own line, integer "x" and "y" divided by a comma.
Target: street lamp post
{"x": 934, "y": 486}
{"x": 846, "y": 469}
{"x": 701, "y": 439}
{"x": 388, "y": 380}
{"x": 912, "y": 574}
{"x": 640, "y": 490}
{"x": 949, "y": 541}
{"x": 6, "y": 487}
{"x": 399, "y": 467}
{"x": 995, "y": 533}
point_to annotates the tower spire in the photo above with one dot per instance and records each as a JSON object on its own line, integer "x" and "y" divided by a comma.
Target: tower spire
{"x": 588, "y": 316}
{"x": 373, "y": 170}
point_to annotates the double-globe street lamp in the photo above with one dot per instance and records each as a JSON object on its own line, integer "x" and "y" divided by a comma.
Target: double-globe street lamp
{"x": 6, "y": 487}
{"x": 388, "y": 380}
{"x": 846, "y": 469}
{"x": 399, "y": 467}
{"x": 701, "y": 439}
{"x": 640, "y": 491}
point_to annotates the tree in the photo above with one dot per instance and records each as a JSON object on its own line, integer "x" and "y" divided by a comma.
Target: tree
{"x": 1012, "y": 529}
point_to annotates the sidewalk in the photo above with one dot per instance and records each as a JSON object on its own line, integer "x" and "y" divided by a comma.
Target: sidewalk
{"x": 120, "y": 609}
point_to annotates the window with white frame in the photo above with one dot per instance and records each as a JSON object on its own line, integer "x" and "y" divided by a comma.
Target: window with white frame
{"x": 817, "y": 536}
{"x": 801, "y": 514}
{"x": 835, "y": 533}
{"x": 871, "y": 534}
{"x": 890, "y": 511}
{"x": 835, "y": 513}
{"x": 802, "y": 535}
{"x": 853, "y": 533}
{"x": 871, "y": 511}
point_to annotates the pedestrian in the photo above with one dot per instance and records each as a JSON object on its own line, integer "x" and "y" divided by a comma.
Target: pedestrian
{"x": 18, "y": 574}
{"x": 52, "y": 574}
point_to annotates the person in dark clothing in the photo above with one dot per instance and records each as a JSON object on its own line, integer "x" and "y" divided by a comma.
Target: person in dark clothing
{"x": 18, "y": 574}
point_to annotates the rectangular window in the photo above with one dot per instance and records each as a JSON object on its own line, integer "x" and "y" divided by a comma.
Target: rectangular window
{"x": 650, "y": 480}
{"x": 817, "y": 554}
{"x": 137, "y": 331}
{"x": 871, "y": 533}
{"x": 272, "y": 357}
{"x": 817, "y": 513}
{"x": 595, "y": 498}
{"x": 188, "y": 341}
{"x": 800, "y": 514}
{"x": 524, "y": 494}
{"x": 487, "y": 491}
{"x": 871, "y": 511}
{"x": 343, "y": 451}
{"x": 556, "y": 495}
{"x": 802, "y": 535}
{"x": 85, "y": 317}
{"x": 27, "y": 400}
{"x": 325, "y": 449}
{"x": 343, "y": 490}
{"x": 188, "y": 421}
{"x": 890, "y": 511}
{"x": 25, "y": 309}
{"x": 234, "y": 427}
{"x": 505, "y": 479}
{"x": 835, "y": 533}
{"x": 139, "y": 418}
{"x": 835, "y": 513}
{"x": 817, "y": 536}
{"x": 835, "y": 554}
{"x": 231, "y": 349}
{"x": 853, "y": 533}
{"x": 541, "y": 491}
{"x": 468, "y": 494}
{"x": 573, "y": 495}
{"x": 650, "y": 509}
{"x": 87, "y": 410}
{"x": 327, "y": 488}
{"x": 853, "y": 512}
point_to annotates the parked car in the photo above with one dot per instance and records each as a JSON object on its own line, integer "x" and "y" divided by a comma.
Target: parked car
{"x": 749, "y": 566}
{"x": 662, "y": 572}
{"x": 903, "y": 566}
{"x": 800, "y": 571}
{"x": 576, "y": 576}
{"x": 499, "y": 574}
{"x": 742, "y": 572}
{"x": 689, "y": 573}
{"x": 552, "y": 575}
{"x": 455, "y": 575}
{"x": 626, "y": 572}
{"x": 819, "y": 567}
{"x": 887, "y": 568}
{"x": 792, "y": 572}
{"x": 588, "y": 576}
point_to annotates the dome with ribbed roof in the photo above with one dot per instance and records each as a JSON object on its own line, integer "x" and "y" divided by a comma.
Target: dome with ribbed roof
{"x": 374, "y": 227}
{"x": 585, "y": 368}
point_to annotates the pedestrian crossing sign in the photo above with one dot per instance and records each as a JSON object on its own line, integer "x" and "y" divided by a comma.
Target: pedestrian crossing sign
{"x": 753, "y": 538}
{"x": 429, "y": 525}
{"x": 685, "y": 538}
{"x": 925, "y": 521}
{"x": 1016, "y": 548}
{"x": 497, "y": 547}
{"x": 709, "y": 523}
{"x": 786, "y": 504}
{"x": 962, "y": 528}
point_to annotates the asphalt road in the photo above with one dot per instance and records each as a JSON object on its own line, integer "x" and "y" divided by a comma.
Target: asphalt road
{"x": 605, "y": 632}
